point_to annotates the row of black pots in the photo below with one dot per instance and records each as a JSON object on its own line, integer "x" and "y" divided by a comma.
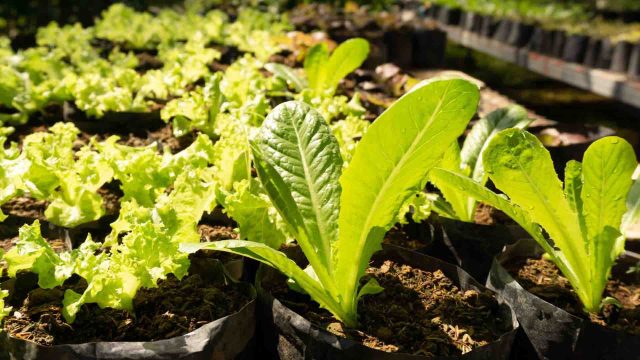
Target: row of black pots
{"x": 620, "y": 57}
{"x": 406, "y": 46}
{"x": 547, "y": 330}
{"x": 281, "y": 333}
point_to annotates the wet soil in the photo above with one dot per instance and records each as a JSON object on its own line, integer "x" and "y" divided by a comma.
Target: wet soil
{"x": 172, "y": 309}
{"x": 420, "y": 312}
{"x": 543, "y": 279}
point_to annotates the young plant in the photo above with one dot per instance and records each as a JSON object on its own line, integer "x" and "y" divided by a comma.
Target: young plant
{"x": 583, "y": 220}
{"x": 142, "y": 248}
{"x": 468, "y": 160}
{"x": 339, "y": 217}
{"x": 323, "y": 71}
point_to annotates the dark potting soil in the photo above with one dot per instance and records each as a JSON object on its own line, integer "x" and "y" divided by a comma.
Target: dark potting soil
{"x": 25, "y": 207}
{"x": 210, "y": 232}
{"x": 488, "y": 215}
{"x": 543, "y": 279}
{"x": 142, "y": 137}
{"x": 28, "y": 208}
{"x": 172, "y": 309}
{"x": 419, "y": 312}
{"x": 403, "y": 237}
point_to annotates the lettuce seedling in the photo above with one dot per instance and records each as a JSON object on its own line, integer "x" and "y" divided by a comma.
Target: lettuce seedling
{"x": 468, "y": 160}
{"x": 142, "y": 248}
{"x": 324, "y": 72}
{"x": 339, "y": 217}
{"x": 583, "y": 219}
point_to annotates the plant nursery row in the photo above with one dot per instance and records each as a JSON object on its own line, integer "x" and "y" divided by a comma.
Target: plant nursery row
{"x": 194, "y": 182}
{"x": 560, "y": 31}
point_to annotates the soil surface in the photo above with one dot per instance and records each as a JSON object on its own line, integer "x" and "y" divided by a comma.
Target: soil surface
{"x": 414, "y": 236}
{"x": 420, "y": 312}
{"x": 488, "y": 215}
{"x": 173, "y": 309}
{"x": 543, "y": 279}
{"x": 159, "y": 133}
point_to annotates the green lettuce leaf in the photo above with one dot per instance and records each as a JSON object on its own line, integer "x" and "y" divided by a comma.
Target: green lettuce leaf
{"x": 390, "y": 164}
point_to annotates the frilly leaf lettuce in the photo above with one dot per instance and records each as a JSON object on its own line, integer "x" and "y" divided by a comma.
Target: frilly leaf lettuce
{"x": 196, "y": 110}
{"x": 69, "y": 180}
{"x": 147, "y": 252}
{"x": 250, "y": 207}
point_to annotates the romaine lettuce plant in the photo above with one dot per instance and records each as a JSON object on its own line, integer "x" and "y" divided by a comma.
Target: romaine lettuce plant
{"x": 583, "y": 219}
{"x": 468, "y": 160}
{"x": 340, "y": 217}
{"x": 323, "y": 71}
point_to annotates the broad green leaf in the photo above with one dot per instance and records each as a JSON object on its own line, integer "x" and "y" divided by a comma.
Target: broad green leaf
{"x": 573, "y": 185}
{"x": 390, "y": 164}
{"x": 632, "y": 216}
{"x": 608, "y": 165}
{"x": 314, "y": 66}
{"x": 280, "y": 194}
{"x": 482, "y": 132}
{"x": 297, "y": 142}
{"x": 481, "y": 193}
{"x": 463, "y": 207}
{"x": 521, "y": 167}
{"x": 573, "y": 190}
{"x": 345, "y": 58}
{"x": 372, "y": 287}
{"x": 288, "y": 74}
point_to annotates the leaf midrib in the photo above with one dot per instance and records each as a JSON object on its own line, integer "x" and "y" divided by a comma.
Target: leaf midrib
{"x": 407, "y": 154}
{"x": 313, "y": 197}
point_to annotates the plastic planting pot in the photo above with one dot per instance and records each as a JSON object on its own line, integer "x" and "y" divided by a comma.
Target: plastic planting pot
{"x": 231, "y": 337}
{"x": 286, "y": 335}
{"x": 575, "y": 48}
{"x": 553, "y": 332}
{"x": 448, "y": 16}
{"x": 503, "y": 31}
{"x": 557, "y": 45}
{"x": 541, "y": 41}
{"x": 470, "y": 22}
{"x": 634, "y": 62}
{"x": 431, "y": 11}
{"x": 429, "y": 48}
{"x": 520, "y": 34}
{"x": 470, "y": 246}
{"x": 592, "y": 53}
{"x": 620, "y": 57}
{"x": 488, "y": 25}
{"x": 377, "y": 50}
{"x": 606, "y": 55}
{"x": 399, "y": 44}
